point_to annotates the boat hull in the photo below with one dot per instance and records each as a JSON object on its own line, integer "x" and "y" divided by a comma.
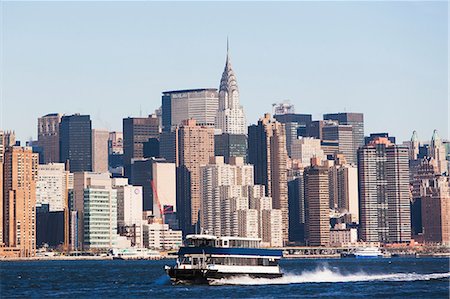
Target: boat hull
{"x": 203, "y": 276}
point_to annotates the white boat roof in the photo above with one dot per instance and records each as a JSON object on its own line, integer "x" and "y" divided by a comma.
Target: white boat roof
{"x": 194, "y": 237}
{"x": 240, "y": 238}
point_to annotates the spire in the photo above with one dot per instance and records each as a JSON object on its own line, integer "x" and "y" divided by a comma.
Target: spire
{"x": 435, "y": 139}
{"x": 414, "y": 137}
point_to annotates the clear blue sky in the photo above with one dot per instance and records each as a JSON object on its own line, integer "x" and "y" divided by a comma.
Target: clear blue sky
{"x": 388, "y": 60}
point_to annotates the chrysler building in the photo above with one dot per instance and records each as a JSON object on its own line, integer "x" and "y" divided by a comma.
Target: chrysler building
{"x": 230, "y": 117}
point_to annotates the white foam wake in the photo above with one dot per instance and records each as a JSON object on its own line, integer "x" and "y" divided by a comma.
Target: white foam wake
{"x": 327, "y": 275}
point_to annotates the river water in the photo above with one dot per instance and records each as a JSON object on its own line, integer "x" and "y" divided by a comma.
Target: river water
{"x": 326, "y": 278}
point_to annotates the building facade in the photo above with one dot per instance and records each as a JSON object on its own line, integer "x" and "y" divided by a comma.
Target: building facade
{"x": 267, "y": 152}
{"x": 230, "y": 145}
{"x": 297, "y": 125}
{"x": 179, "y": 105}
{"x": 53, "y": 185}
{"x": 19, "y": 200}
{"x": 195, "y": 148}
{"x": 305, "y": 148}
{"x": 48, "y": 137}
{"x": 230, "y": 117}
{"x": 317, "y": 213}
{"x": 343, "y": 134}
{"x": 100, "y": 140}
{"x": 384, "y": 195}
{"x": 129, "y": 211}
{"x": 356, "y": 121}
{"x": 137, "y": 131}
{"x": 75, "y": 140}
{"x": 435, "y": 193}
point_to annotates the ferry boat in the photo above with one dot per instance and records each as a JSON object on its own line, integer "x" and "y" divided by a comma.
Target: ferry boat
{"x": 135, "y": 253}
{"x": 206, "y": 258}
{"x": 368, "y": 252}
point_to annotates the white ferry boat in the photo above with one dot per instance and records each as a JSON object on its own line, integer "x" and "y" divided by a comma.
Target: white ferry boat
{"x": 368, "y": 252}
{"x": 206, "y": 258}
{"x": 135, "y": 253}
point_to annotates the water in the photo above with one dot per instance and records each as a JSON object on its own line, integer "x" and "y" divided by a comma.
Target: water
{"x": 355, "y": 278}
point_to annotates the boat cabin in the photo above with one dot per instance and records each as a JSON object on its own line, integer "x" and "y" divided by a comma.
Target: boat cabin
{"x": 222, "y": 242}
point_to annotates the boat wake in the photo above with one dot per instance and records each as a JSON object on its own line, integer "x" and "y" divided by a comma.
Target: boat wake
{"x": 322, "y": 275}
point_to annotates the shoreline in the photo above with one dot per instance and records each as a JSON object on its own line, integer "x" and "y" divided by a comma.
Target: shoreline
{"x": 110, "y": 258}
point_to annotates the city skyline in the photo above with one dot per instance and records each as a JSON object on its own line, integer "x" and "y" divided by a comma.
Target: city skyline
{"x": 63, "y": 67}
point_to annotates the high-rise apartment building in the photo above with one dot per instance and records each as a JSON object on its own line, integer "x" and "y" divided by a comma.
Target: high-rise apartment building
{"x": 214, "y": 176}
{"x": 179, "y": 105}
{"x": 356, "y": 120}
{"x": 75, "y": 141}
{"x": 195, "y": 148}
{"x": 343, "y": 134}
{"x": 230, "y": 118}
{"x": 137, "y": 131}
{"x": 233, "y": 206}
{"x": 2, "y": 151}
{"x": 19, "y": 200}
{"x": 317, "y": 215}
{"x": 267, "y": 152}
{"x": 384, "y": 199}
{"x": 435, "y": 209}
{"x": 100, "y": 140}
{"x": 48, "y": 137}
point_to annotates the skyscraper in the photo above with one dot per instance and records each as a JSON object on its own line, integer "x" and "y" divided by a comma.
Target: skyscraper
{"x": 435, "y": 209}
{"x": 137, "y": 131}
{"x": 344, "y": 189}
{"x": 48, "y": 137}
{"x": 414, "y": 147}
{"x": 267, "y": 152}
{"x": 19, "y": 179}
{"x": 305, "y": 148}
{"x": 149, "y": 173}
{"x": 2, "y": 151}
{"x": 52, "y": 186}
{"x": 129, "y": 211}
{"x": 343, "y": 134}
{"x": 230, "y": 117}
{"x": 100, "y": 150}
{"x": 317, "y": 215}
{"x": 356, "y": 120}
{"x": 95, "y": 204}
{"x": 195, "y": 148}
{"x": 115, "y": 153}
{"x": 297, "y": 125}
{"x": 230, "y": 145}
{"x": 179, "y": 105}
{"x": 437, "y": 152}
{"x": 75, "y": 140}
{"x": 384, "y": 192}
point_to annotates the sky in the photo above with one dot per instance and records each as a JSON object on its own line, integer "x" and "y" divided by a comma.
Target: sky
{"x": 388, "y": 60}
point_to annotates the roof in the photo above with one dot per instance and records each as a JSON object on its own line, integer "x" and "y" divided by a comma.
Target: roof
{"x": 189, "y": 90}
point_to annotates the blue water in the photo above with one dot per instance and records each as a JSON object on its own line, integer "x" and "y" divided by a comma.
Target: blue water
{"x": 341, "y": 278}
